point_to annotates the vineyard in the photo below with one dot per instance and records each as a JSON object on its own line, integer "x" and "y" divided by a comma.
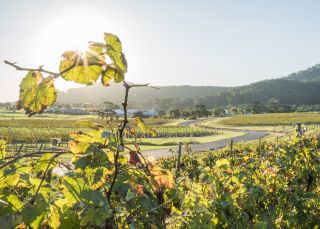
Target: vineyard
{"x": 37, "y": 130}
{"x": 251, "y": 186}
{"x": 98, "y": 180}
{"x": 272, "y": 119}
{"x": 178, "y": 131}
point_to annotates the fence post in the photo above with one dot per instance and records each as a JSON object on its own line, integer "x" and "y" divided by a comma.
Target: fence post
{"x": 179, "y": 157}
{"x": 231, "y": 151}
{"x": 20, "y": 148}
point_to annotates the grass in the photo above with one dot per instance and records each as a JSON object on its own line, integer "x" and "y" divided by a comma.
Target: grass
{"x": 17, "y": 127}
{"x": 162, "y": 143}
{"x": 271, "y": 119}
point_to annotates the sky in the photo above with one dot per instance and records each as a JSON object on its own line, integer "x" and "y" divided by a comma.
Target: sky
{"x": 167, "y": 42}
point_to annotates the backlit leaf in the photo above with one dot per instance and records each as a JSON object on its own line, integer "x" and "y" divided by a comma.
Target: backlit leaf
{"x": 89, "y": 124}
{"x": 2, "y": 149}
{"x": 78, "y": 69}
{"x": 95, "y": 51}
{"x": 114, "y": 51}
{"x": 113, "y": 42}
{"x": 54, "y": 218}
{"x": 36, "y": 93}
{"x": 111, "y": 74}
{"x": 140, "y": 123}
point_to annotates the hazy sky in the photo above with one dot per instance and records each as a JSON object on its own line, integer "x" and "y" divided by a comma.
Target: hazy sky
{"x": 200, "y": 42}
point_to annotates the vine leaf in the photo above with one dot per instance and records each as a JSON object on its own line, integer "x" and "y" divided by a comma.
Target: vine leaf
{"x": 111, "y": 74}
{"x": 134, "y": 158}
{"x": 54, "y": 220}
{"x": 96, "y": 51}
{"x": 161, "y": 178}
{"x": 79, "y": 69}
{"x": 2, "y": 149}
{"x": 88, "y": 124}
{"x": 33, "y": 215}
{"x": 140, "y": 123}
{"x": 36, "y": 93}
{"x": 143, "y": 127}
{"x": 9, "y": 221}
{"x": 114, "y": 51}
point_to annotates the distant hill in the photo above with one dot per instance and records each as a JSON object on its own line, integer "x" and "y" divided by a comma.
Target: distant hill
{"x": 115, "y": 92}
{"x": 302, "y": 87}
{"x": 310, "y": 74}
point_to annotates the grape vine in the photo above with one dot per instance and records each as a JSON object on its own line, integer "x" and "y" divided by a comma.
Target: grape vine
{"x": 98, "y": 186}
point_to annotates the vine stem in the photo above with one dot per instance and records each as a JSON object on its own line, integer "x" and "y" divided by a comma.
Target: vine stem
{"x": 120, "y": 132}
{"x": 55, "y": 74}
{"x": 26, "y": 155}
{"x": 33, "y": 199}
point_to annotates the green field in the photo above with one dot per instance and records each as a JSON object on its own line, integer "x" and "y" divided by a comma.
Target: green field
{"x": 17, "y": 128}
{"x": 272, "y": 119}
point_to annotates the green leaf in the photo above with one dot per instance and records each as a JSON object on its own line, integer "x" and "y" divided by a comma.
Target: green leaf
{"x": 36, "y": 93}
{"x": 89, "y": 124}
{"x": 130, "y": 195}
{"x": 96, "y": 51}
{"x": 13, "y": 203}
{"x": 78, "y": 69}
{"x": 113, "y": 42}
{"x": 43, "y": 162}
{"x": 140, "y": 123}
{"x": 78, "y": 190}
{"x": 12, "y": 179}
{"x": 2, "y": 149}
{"x": 106, "y": 134}
{"x": 33, "y": 215}
{"x": 54, "y": 218}
{"x": 111, "y": 74}
{"x": 95, "y": 216}
{"x": 119, "y": 60}
{"x": 223, "y": 163}
{"x": 114, "y": 51}
{"x": 9, "y": 221}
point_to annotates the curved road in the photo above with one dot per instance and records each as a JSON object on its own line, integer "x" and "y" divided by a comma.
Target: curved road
{"x": 248, "y": 136}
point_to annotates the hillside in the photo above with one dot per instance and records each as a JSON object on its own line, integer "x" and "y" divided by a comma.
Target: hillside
{"x": 114, "y": 93}
{"x": 298, "y": 88}
{"x": 310, "y": 74}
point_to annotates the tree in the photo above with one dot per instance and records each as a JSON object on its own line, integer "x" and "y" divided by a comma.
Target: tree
{"x": 110, "y": 105}
{"x": 273, "y": 105}
{"x": 201, "y": 111}
{"x": 175, "y": 113}
{"x": 218, "y": 112}
{"x": 256, "y": 108}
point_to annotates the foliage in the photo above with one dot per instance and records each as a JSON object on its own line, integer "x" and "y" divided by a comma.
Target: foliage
{"x": 272, "y": 119}
{"x": 99, "y": 187}
{"x": 253, "y": 186}
{"x": 37, "y": 92}
{"x": 177, "y": 131}
{"x": 197, "y": 111}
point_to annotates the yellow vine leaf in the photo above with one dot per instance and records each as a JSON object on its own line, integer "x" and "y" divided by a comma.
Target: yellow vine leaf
{"x": 111, "y": 74}
{"x": 161, "y": 178}
{"x": 54, "y": 220}
{"x": 77, "y": 68}
{"x": 36, "y": 93}
{"x": 114, "y": 51}
{"x": 140, "y": 123}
